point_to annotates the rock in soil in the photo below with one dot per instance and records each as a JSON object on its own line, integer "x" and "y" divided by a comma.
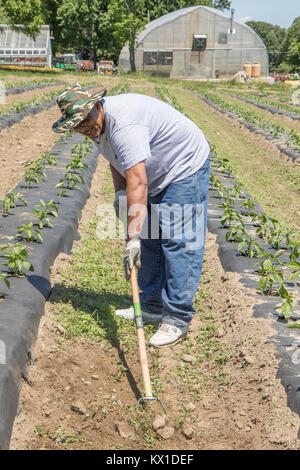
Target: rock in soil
{"x": 78, "y": 407}
{"x": 159, "y": 422}
{"x": 166, "y": 432}
{"x": 124, "y": 430}
{"x": 188, "y": 358}
{"x": 220, "y": 332}
{"x": 250, "y": 360}
{"x": 190, "y": 407}
{"x": 61, "y": 330}
{"x": 187, "y": 431}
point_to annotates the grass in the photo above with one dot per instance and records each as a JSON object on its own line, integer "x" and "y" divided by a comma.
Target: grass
{"x": 93, "y": 286}
{"x": 273, "y": 183}
{"x": 287, "y": 124}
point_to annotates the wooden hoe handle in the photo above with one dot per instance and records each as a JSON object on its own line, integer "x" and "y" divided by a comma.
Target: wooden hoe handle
{"x": 140, "y": 334}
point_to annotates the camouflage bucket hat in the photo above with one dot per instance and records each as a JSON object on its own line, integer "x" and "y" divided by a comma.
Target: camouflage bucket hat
{"x": 75, "y": 104}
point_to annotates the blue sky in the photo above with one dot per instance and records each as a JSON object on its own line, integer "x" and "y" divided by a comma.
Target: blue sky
{"x": 278, "y": 12}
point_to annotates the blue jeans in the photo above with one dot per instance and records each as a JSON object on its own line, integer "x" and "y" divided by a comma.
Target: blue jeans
{"x": 172, "y": 247}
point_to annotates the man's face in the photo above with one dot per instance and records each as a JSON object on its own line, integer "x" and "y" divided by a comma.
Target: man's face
{"x": 93, "y": 123}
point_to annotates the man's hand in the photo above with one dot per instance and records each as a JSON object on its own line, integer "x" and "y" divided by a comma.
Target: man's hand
{"x": 121, "y": 210}
{"x": 132, "y": 256}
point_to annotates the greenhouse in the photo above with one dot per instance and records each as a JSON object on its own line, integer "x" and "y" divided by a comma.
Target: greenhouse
{"x": 18, "y": 49}
{"x": 196, "y": 42}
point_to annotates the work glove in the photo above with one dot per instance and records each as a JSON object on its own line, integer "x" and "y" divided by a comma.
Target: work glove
{"x": 132, "y": 256}
{"x": 121, "y": 209}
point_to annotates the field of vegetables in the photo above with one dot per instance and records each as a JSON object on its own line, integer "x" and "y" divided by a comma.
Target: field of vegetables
{"x": 234, "y": 383}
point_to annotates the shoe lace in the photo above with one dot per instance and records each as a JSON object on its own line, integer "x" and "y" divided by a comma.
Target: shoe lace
{"x": 165, "y": 328}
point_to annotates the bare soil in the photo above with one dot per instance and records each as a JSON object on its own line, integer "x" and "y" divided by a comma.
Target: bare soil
{"x": 24, "y": 142}
{"x": 246, "y": 411}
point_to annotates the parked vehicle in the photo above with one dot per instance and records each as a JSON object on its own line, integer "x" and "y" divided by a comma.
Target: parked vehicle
{"x": 106, "y": 67}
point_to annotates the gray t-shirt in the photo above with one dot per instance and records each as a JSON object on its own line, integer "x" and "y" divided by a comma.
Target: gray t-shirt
{"x": 140, "y": 128}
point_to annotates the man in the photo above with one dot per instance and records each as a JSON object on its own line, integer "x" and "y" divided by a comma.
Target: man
{"x": 159, "y": 160}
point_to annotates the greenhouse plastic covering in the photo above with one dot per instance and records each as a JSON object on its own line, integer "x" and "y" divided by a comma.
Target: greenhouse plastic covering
{"x": 17, "y": 48}
{"x": 165, "y": 46}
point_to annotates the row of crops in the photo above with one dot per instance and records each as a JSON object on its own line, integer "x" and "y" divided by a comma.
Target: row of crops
{"x": 16, "y": 254}
{"x": 275, "y": 270}
{"x": 255, "y": 234}
{"x": 21, "y": 83}
{"x": 268, "y": 103}
{"x": 23, "y": 105}
{"x": 37, "y": 100}
{"x": 289, "y": 137}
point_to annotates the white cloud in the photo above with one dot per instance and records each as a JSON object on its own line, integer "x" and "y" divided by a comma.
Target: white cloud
{"x": 245, "y": 19}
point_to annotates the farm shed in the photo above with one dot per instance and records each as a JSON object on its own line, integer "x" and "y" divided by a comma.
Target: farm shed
{"x": 196, "y": 42}
{"x": 18, "y": 49}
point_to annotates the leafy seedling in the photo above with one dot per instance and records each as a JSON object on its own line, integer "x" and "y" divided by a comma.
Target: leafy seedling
{"x": 16, "y": 259}
{"x": 49, "y": 208}
{"x": 3, "y": 278}
{"x": 28, "y": 233}
{"x": 286, "y": 308}
{"x": 270, "y": 271}
{"x": 238, "y": 190}
{"x": 236, "y": 233}
{"x": 48, "y": 159}
{"x": 249, "y": 205}
{"x": 249, "y": 246}
{"x": 31, "y": 177}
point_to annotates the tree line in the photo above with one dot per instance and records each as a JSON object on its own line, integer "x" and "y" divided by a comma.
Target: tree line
{"x": 283, "y": 45}
{"x": 98, "y": 29}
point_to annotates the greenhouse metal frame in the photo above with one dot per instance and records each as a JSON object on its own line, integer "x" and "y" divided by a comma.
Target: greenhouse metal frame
{"x": 18, "y": 49}
{"x": 197, "y": 42}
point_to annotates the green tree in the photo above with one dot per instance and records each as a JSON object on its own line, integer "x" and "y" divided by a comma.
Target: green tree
{"x": 291, "y": 45}
{"x": 50, "y": 17}
{"x": 29, "y": 13}
{"x": 222, "y": 4}
{"x": 159, "y": 8}
{"x": 128, "y": 18}
{"x": 272, "y": 36}
{"x": 293, "y": 55}
{"x": 84, "y": 25}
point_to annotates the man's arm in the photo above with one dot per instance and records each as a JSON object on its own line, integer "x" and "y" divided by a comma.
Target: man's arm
{"x": 137, "y": 184}
{"x": 118, "y": 180}
{"x": 137, "y": 206}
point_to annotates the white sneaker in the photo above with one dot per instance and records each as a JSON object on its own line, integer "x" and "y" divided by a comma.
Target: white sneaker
{"x": 128, "y": 314}
{"x": 167, "y": 335}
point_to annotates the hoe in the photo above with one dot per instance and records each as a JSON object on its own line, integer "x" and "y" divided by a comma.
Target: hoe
{"x": 148, "y": 392}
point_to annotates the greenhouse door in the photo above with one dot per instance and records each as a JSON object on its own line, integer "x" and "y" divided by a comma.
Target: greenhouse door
{"x": 158, "y": 62}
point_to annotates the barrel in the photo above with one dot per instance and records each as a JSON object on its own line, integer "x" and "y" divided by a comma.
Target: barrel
{"x": 247, "y": 68}
{"x": 256, "y": 69}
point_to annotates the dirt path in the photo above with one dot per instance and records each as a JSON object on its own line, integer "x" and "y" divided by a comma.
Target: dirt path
{"x": 24, "y": 142}
{"x": 226, "y": 396}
